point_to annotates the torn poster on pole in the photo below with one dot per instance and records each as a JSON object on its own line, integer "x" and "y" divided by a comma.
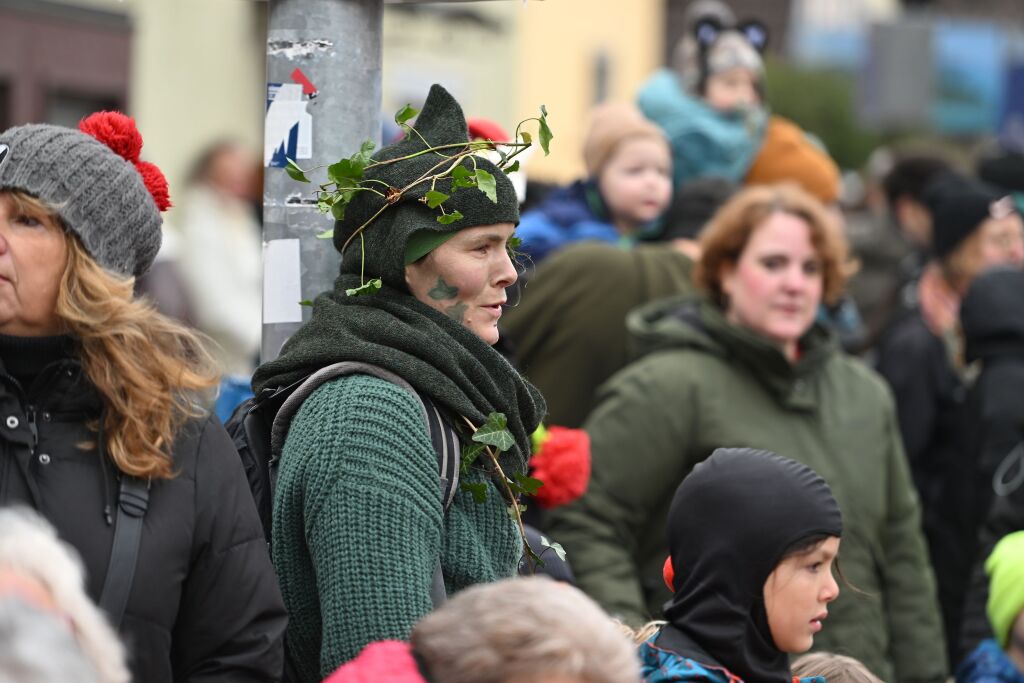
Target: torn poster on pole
{"x": 288, "y": 132}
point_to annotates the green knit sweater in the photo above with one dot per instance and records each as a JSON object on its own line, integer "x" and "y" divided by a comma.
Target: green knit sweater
{"x": 358, "y": 523}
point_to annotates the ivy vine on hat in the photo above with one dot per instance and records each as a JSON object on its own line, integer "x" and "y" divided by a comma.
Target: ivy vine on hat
{"x": 97, "y": 183}
{"x": 409, "y": 229}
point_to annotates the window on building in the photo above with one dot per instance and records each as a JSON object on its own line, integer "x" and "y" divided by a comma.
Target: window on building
{"x": 65, "y": 108}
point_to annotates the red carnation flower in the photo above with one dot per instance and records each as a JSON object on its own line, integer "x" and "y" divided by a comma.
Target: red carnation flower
{"x": 563, "y": 464}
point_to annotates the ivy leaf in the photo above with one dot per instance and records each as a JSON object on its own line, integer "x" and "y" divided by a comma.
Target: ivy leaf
{"x": 435, "y": 198}
{"x": 470, "y": 453}
{"x": 325, "y": 202}
{"x": 544, "y": 134}
{"x": 449, "y": 218}
{"x": 485, "y": 181}
{"x": 515, "y": 511}
{"x": 405, "y": 113}
{"x": 527, "y": 485}
{"x": 371, "y": 287}
{"x": 296, "y": 172}
{"x": 495, "y": 432}
{"x": 305, "y": 302}
{"x": 365, "y": 150}
{"x": 479, "y": 490}
{"x": 557, "y": 547}
{"x": 346, "y": 173}
{"x": 338, "y": 211}
{"x": 326, "y": 235}
{"x": 513, "y": 168}
{"x": 461, "y": 177}
{"x": 527, "y": 138}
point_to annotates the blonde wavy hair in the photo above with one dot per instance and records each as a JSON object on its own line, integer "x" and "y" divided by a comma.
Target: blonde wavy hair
{"x": 150, "y": 371}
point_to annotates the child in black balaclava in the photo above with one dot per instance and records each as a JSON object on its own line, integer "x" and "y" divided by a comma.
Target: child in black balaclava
{"x": 752, "y": 538}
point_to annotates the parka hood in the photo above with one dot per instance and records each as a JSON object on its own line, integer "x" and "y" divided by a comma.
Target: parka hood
{"x": 992, "y": 314}
{"x": 693, "y": 322}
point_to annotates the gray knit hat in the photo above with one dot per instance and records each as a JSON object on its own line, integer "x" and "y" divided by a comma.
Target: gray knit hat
{"x": 94, "y": 179}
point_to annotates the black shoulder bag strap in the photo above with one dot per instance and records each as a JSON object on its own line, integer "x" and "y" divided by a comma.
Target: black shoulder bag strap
{"x": 132, "y": 502}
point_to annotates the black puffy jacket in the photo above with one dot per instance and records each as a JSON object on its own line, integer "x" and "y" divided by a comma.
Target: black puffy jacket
{"x": 205, "y": 604}
{"x": 990, "y": 497}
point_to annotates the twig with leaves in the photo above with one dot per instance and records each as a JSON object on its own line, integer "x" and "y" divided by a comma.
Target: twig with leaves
{"x": 488, "y": 440}
{"x": 346, "y": 178}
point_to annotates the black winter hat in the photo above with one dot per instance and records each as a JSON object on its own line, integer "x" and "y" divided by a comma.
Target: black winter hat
{"x": 1005, "y": 170}
{"x": 958, "y": 205}
{"x": 441, "y": 122}
{"x": 730, "y": 523}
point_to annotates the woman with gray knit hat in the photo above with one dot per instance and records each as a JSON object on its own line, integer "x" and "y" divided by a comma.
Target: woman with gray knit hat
{"x": 100, "y": 425}
{"x": 358, "y": 521}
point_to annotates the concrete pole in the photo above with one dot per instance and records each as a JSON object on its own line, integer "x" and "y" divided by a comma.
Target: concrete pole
{"x": 337, "y": 46}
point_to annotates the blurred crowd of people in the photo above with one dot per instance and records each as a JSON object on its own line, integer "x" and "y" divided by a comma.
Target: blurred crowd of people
{"x": 751, "y": 413}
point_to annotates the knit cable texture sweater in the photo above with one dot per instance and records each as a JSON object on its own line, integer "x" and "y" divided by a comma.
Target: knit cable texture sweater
{"x": 358, "y": 523}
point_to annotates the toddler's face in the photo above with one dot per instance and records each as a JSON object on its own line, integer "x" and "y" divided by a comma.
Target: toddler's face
{"x": 636, "y": 182}
{"x": 732, "y": 89}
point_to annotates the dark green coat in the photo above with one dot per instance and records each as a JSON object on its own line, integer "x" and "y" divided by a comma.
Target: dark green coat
{"x": 569, "y": 333}
{"x": 703, "y": 384}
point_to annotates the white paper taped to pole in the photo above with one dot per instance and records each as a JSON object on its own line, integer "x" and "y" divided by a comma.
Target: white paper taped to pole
{"x": 282, "y": 282}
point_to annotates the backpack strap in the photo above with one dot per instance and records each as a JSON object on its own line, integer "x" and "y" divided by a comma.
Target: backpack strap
{"x": 132, "y": 503}
{"x": 443, "y": 438}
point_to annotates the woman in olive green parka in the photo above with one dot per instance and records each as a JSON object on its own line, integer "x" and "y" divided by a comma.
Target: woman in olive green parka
{"x": 750, "y": 367}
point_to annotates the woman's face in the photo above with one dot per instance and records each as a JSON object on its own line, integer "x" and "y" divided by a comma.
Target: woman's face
{"x": 1001, "y": 242}
{"x": 465, "y": 278}
{"x": 33, "y": 255}
{"x": 797, "y": 593}
{"x": 775, "y": 287}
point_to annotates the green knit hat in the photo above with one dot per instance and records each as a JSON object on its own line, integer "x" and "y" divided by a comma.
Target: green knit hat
{"x": 1005, "y": 567}
{"x": 385, "y": 240}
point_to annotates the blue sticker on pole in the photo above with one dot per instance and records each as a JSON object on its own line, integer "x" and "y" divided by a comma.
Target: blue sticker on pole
{"x": 288, "y": 130}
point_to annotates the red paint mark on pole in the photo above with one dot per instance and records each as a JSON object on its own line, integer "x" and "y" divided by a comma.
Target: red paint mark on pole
{"x": 307, "y": 86}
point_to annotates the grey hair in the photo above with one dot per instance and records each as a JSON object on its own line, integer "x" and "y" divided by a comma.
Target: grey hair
{"x": 835, "y": 668}
{"x": 37, "y": 647}
{"x": 522, "y": 629}
{"x": 29, "y": 546}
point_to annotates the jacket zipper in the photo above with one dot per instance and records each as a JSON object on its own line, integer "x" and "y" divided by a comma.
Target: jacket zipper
{"x": 30, "y": 415}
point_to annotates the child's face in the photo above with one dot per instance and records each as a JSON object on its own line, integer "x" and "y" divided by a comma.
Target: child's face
{"x": 636, "y": 182}
{"x": 732, "y": 89}
{"x": 797, "y": 593}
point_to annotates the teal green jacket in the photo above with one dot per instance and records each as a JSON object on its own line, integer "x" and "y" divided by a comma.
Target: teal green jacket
{"x": 358, "y": 524}
{"x": 701, "y": 384}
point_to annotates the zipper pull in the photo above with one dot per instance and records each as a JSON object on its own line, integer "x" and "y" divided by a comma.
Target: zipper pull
{"x": 31, "y": 415}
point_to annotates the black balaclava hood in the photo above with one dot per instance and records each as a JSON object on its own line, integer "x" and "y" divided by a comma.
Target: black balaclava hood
{"x": 729, "y": 524}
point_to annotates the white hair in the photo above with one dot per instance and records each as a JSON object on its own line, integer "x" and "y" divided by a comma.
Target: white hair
{"x": 523, "y": 629}
{"x": 29, "y": 546}
{"x": 37, "y": 647}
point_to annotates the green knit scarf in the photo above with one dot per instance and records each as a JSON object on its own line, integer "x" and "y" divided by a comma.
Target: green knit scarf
{"x": 435, "y": 354}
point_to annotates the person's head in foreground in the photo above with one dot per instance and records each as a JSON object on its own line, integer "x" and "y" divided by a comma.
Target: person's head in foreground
{"x": 523, "y": 630}
{"x": 753, "y": 537}
{"x": 833, "y": 668}
{"x": 769, "y": 258}
{"x": 1002, "y": 659}
{"x": 39, "y": 570}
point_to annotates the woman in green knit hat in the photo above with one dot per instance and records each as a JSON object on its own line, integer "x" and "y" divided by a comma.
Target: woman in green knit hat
{"x": 358, "y": 521}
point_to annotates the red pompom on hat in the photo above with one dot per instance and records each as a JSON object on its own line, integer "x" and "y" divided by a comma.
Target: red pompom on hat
{"x": 156, "y": 183}
{"x": 668, "y": 574}
{"x": 118, "y": 132}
